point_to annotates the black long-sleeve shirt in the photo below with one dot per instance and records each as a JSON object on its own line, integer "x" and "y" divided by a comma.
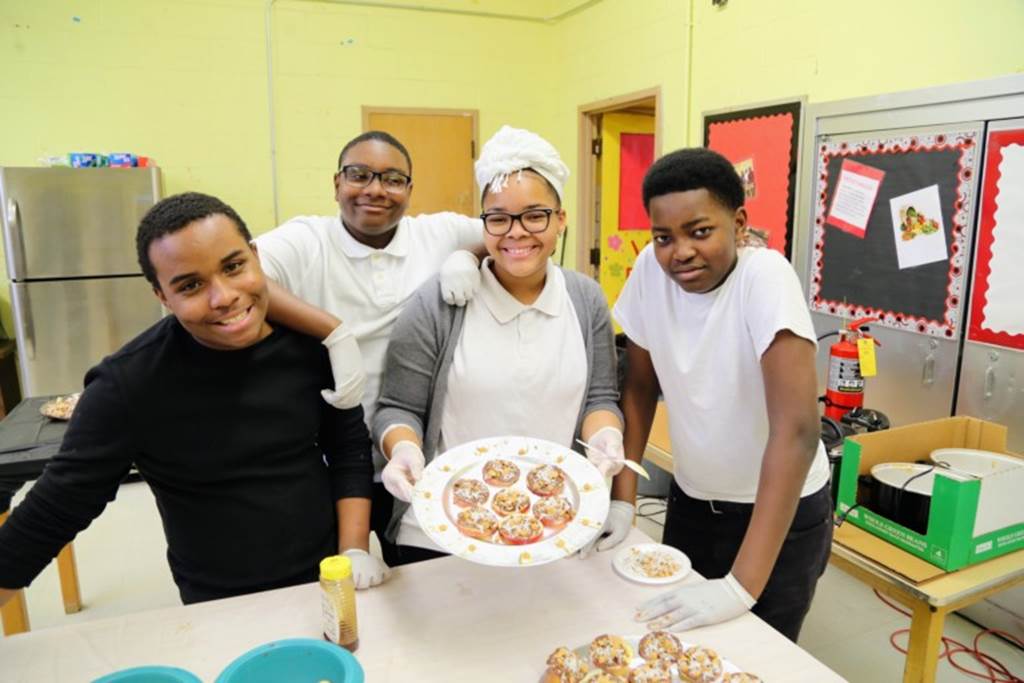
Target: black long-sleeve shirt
{"x": 243, "y": 456}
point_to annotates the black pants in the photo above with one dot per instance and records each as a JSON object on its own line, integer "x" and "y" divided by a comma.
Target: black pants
{"x": 408, "y": 554}
{"x": 192, "y": 593}
{"x": 710, "y": 533}
{"x": 381, "y": 506}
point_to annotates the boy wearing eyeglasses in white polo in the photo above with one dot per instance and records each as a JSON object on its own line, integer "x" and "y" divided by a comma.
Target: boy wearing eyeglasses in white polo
{"x": 362, "y": 265}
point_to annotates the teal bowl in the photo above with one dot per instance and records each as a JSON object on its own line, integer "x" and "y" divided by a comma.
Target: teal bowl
{"x": 150, "y": 674}
{"x": 295, "y": 659}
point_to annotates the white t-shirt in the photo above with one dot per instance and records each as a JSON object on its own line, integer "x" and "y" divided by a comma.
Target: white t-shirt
{"x": 706, "y": 350}
{"x": 317, "y": 259}
{"x": 517, "y": 369}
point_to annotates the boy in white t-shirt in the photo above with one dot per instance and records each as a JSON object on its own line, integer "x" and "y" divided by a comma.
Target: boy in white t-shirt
{"x": 723, "y": 332}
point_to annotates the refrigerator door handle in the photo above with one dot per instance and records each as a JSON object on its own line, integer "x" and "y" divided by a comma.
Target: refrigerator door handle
{"x": 990, "y": 382}
{"x": 928, "y": 370}
{"x": 16, "y": 253}
{"x": 28, "y": 326}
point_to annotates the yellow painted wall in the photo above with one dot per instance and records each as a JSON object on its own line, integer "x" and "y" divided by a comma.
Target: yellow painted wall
{"x": 611, "y": 49}
{"x": 748, "y": 52}
{"x": 330, "y": 60}
{"x": 184, "y": 81}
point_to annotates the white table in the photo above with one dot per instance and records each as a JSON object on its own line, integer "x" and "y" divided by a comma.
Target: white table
{"x": 445, "y": 620}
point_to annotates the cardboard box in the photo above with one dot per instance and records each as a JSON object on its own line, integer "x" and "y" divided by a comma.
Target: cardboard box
{"x": 972, "y": 519}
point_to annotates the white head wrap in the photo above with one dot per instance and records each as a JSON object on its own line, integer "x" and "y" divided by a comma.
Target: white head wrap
{"x": 515, "y": 149}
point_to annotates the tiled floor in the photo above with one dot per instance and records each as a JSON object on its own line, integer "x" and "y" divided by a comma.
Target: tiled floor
{"x": 122, "y": 569}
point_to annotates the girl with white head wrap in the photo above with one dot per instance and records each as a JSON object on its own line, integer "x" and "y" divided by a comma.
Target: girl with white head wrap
{"x": 532, "y": 354}
{"x": 511, "y": 150}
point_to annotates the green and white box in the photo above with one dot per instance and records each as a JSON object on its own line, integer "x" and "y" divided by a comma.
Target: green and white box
{"x": 973, "y": 518}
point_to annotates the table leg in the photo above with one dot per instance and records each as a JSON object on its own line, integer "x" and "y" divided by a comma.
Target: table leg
{"x": 14, "y": 614}
{"x": 67, "y": 568}
{"x": 925, "y": 638}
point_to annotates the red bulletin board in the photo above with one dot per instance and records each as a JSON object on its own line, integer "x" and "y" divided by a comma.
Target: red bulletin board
{"x": 994, "y": 182}
{"x": 762, "y": 144}
{"x": 636, "y": 154}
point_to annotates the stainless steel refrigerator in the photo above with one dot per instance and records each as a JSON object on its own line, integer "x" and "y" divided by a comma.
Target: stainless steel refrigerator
{"x": 77, "y": 291}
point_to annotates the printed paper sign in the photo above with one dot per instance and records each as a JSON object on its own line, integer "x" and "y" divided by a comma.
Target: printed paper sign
{"x": 917, "y": 227}
{"x": 745, "y": 170}
{"x": 854, "y": 198}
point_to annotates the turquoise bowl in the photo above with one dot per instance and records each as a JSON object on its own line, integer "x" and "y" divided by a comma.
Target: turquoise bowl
{"x": 150, "y": 674}
{"x": 295, "y": 659}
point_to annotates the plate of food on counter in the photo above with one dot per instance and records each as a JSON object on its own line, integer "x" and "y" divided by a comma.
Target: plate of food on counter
{"x": 511, "y": 501}
{"x": 656, "y": 657}
{"x": 651, "y": 563}
{"x": 60, "y": 407}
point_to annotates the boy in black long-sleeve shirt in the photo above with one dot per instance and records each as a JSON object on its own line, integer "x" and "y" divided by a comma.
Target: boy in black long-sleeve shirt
{"x": 255, "y": 477}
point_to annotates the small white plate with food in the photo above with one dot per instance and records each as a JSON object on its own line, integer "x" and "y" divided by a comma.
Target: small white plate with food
{"x": 651, "y": 563}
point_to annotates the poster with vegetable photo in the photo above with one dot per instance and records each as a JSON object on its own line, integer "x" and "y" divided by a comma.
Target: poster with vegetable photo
{"x": 917, "y": 227}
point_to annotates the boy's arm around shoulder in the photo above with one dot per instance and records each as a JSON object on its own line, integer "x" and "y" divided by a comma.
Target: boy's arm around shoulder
{"x": 285, "y": 257}
{"x": 287, "y": 252}
{"x": 97, "y": 451}
{"x": 289, "y": 310}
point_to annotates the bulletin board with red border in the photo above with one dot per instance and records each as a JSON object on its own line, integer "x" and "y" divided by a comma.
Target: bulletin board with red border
{"x": 763, "y": 143}
{"x": 999, "y": 221}
{"x": 859, "y": 274}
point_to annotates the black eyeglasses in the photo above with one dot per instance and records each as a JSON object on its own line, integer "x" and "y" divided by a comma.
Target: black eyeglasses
{"x": 499, "y": 223}
{"x": 361, "y": 176}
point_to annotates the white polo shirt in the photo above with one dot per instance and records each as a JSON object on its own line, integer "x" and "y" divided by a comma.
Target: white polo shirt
{"x": 706, "y": 350}
{"x": 317, "y": 259}
{"x": 517, "y": 369}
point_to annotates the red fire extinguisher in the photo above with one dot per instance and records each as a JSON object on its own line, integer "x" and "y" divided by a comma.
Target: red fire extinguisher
{"x": 844, "y": 389}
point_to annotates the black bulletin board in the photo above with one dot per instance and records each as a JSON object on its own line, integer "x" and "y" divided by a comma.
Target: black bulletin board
{"x": 858, "y": 276}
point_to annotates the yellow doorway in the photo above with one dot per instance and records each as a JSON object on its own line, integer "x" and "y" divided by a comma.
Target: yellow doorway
{"x": 627, "y": 150}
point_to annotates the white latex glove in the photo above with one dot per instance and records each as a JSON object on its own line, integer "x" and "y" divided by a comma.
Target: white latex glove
{"x": 606, "y": 451}
{"x": 367, "y": 570}
{"x": 699, "y": 604}
{"x": 403, "y": 470}
{"x": 616, "y": 526}
{"x": 347, "y": 368}
{"x": 460, "y": 278}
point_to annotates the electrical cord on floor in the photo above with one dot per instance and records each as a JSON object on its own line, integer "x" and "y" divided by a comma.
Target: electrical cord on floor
{"x": 644, "y": 505}
{"x": 995, "y": 671}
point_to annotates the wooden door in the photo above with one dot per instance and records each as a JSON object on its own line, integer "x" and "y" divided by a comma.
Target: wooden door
{"x": 627, "y": 150}
{"x": 442, "y": 145}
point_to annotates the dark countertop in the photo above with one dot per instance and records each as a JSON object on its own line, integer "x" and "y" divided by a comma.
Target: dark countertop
{"x": 27, "y": 441}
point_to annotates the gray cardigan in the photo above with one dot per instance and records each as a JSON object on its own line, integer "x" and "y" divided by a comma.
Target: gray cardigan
{"x": 420, "y": 354}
